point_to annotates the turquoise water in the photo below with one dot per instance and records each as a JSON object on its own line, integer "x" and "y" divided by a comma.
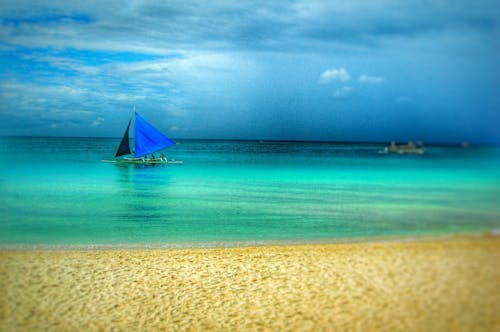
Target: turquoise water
{"x": 56, "y": 191}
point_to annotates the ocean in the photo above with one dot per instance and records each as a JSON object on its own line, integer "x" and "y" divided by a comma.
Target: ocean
{"x": 57, "y": 192}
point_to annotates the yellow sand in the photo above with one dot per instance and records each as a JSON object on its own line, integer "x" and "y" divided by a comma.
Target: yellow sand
{"x": 427, "y": 285}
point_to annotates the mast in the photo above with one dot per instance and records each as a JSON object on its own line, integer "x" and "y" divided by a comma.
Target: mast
{"x": 133, "y": 124}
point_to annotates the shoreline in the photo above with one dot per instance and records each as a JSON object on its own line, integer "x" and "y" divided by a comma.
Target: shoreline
{"x": 419, "y": 285}
{"x": 398, "y": 238}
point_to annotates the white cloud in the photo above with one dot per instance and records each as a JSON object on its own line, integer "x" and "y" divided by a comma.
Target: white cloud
{"x": 64, "y": 63}
{"x": 97, "y": 122}
{"x": 343, "y": 92}
{"x": 339, "y": 74}
{"x": 371, "y": 79}
{"x": 123, "y": 97}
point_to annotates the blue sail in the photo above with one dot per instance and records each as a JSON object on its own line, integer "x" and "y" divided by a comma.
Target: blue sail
{"x": 148, "y": 139}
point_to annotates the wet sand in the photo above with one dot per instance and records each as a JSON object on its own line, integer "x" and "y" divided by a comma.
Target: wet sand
{"x": 426, "y": 285}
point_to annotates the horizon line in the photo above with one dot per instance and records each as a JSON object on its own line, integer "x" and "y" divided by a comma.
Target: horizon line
{"x": 263, "y": 140}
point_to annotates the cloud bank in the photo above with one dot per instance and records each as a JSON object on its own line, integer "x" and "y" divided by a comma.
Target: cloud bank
{"x": 148, "y": 26}
{"x": 243, "y": 69}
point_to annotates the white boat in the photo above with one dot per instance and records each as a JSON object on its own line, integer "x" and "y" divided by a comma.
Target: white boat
{"x": 410, "y": 148}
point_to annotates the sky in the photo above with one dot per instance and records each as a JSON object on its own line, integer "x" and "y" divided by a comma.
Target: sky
{"x": 377, "y": 70}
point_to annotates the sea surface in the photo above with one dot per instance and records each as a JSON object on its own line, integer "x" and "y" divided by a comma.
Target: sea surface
{"x": 57, "y": 192}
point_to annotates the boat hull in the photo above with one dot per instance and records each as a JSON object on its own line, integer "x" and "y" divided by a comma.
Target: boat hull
{"x": 140, "y": 161}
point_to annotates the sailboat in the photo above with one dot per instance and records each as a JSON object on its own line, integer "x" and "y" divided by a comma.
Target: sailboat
{"x": 147, "y": 140}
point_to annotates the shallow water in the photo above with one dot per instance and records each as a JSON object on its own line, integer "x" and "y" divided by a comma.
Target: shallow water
{"x": 56, "y": 191}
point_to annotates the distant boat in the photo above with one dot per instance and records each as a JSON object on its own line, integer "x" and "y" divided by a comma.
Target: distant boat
{"x": 147, "y": 140}
{"x": 410, "y": 148}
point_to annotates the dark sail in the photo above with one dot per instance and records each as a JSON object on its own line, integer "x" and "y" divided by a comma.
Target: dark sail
{"x": 124, "y": 147}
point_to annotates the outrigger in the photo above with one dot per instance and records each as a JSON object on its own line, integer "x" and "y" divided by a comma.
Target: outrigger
{"x": 147, "y": 140}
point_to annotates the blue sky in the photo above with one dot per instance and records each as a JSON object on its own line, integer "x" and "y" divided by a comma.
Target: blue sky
{"x": 376, "y": 70}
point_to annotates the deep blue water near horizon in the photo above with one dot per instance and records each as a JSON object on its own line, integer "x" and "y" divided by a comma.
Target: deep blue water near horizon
{"x": 56, "y": 191}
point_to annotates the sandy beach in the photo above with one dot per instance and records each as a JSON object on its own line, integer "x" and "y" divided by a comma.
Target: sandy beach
{"x": 450, "y": 284}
